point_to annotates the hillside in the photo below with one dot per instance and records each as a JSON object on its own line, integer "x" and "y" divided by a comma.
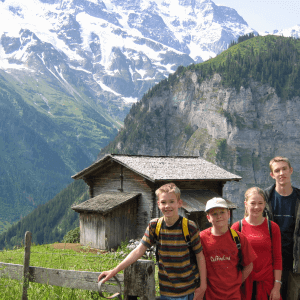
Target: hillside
{"x": 237, "y": 110}
{"x": 49, "y": 222}
{"x": 42, "y": 144}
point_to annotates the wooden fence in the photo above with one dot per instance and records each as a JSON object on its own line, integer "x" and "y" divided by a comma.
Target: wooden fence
{"x": 137, "y": 281}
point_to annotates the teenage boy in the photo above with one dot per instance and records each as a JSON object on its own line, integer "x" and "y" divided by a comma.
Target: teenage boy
{"x": 283, "y": 208}
{"x": 178, "y": 276}
{"x": 224, "y": 278}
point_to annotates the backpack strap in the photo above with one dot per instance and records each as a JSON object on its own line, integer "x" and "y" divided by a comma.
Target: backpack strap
{"x": 187, "y": 237}
{"x": 237, "y": 241}
{"x": 157, "y": 230}
{"x": 270, "y": 228}
{"x": 185, "y": 230}
{"x": 158, "y": 227}
{"x": 240, "y": 225}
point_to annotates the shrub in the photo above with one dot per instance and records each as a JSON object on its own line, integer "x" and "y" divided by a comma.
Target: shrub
{"x": 73, "y": 236}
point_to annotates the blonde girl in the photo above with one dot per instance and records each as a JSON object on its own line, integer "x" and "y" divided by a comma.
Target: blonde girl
{"x": 264, "y": 282}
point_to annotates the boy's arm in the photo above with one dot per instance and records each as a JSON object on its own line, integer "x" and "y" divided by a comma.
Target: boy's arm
{"x": 246, "y": 271}
{"x": 248, "y": 256}
{"x": 199, "y": 292}
{"x": 132, "y": 257}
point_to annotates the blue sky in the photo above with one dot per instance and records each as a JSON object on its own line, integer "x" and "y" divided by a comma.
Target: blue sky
{"x": 266, "y": 15}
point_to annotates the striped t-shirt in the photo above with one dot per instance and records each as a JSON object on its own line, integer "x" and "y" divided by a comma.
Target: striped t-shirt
{"x": 177, "y": 275}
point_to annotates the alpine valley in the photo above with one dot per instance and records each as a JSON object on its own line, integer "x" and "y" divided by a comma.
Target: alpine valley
{"x": 237, "y": 110}
{"x": 71, "y": 70}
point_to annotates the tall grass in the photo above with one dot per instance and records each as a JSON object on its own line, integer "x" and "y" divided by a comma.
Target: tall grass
{"x": 47, "y": 257}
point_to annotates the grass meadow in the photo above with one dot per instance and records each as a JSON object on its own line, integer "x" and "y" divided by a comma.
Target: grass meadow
{"x": 47, "y": 256}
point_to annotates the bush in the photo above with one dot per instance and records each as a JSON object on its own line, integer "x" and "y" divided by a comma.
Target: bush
{"x": 73, "y": 236}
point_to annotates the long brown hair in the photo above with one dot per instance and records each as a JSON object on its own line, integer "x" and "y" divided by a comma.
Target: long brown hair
{"x": 250, "y": 192}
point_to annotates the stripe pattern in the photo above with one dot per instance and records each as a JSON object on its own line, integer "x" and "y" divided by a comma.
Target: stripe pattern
{"x": 177, "y": 276}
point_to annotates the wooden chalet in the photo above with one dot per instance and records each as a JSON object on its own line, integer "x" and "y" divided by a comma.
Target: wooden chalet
{"x": 122, "y": 194}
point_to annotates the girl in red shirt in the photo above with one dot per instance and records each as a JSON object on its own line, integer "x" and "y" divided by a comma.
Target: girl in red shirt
{"x": 264, "y": 282}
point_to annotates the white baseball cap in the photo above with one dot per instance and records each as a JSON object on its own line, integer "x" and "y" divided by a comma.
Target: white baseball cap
{"x": 215, "y": 202}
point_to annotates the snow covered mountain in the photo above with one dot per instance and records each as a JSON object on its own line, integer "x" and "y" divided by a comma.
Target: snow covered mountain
{"x": 293, "y": 32}
{"x": 116, "y": 49}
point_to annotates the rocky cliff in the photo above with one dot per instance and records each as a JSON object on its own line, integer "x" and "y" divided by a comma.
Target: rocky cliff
{"x": 238, "y": 129}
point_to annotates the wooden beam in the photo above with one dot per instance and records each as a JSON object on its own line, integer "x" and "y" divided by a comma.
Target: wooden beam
{"x": 26, "y": 265}
{"x": 139, "y": 280}
{"x": 64, "y": 278}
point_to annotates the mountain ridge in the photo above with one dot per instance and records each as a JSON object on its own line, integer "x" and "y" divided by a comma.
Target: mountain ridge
{"x": 235, "y": 119}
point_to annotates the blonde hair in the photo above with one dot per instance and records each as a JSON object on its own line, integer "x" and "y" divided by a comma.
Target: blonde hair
{"x": 168, "y": 188}
{"x": 278, "y": 159}
{"x": 250, "y": 192}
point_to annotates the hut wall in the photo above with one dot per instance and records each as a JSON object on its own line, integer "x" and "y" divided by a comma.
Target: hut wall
{"x": 92, "y": 230}
{"x": 110, "y": 181}
{"x": 120, "y": 224}
{"x": 198, "y": 217}
{"x": 213, "y": 185}
{"x": 183, "y": 212}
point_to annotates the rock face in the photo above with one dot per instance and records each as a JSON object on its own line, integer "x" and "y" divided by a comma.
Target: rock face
{"x": 238, "y": 130}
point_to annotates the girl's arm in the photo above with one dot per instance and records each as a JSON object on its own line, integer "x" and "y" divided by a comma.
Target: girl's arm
{"x": 275, "y": 293}
{"x": 277, "y": 261}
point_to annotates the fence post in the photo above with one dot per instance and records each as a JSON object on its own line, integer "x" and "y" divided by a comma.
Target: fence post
{"x": 139, "y": 280}
{"x": 26, "y": 264}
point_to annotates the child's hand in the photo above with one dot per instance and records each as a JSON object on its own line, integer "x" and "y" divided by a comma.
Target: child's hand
{"x": 106, "y": 275}
{"x": 275, "y": 294}
{"x": 199, "y": 292}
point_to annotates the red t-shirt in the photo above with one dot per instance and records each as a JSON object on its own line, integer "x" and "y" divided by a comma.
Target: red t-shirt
{"x": 268, "y": 256}
{"x": 221, "y": 256}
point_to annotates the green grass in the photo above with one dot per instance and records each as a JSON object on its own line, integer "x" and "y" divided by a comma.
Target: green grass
{"x": 47, "y": 257}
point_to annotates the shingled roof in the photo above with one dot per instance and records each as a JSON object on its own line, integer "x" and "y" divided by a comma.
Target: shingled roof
{"x": 156, "y": 168}
{"x": 104, "y": 203}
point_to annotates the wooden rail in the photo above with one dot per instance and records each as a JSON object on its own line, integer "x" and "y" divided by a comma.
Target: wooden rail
{"x": 63, "y": 278}
{"x": 137, "y": 281}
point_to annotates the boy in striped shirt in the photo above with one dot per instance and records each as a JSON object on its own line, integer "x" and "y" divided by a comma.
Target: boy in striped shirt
{"x": 178, "y": 276}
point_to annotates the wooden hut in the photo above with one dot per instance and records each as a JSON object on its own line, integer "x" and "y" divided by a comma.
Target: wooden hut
{"x": 107, "y": 219}
{"x": 122, "y": 194}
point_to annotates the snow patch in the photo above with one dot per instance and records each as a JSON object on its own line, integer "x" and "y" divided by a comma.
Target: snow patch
{"x": 80, "y": 69}
{"x": 107, "y": 89}
{"x": 130, "y": 99}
